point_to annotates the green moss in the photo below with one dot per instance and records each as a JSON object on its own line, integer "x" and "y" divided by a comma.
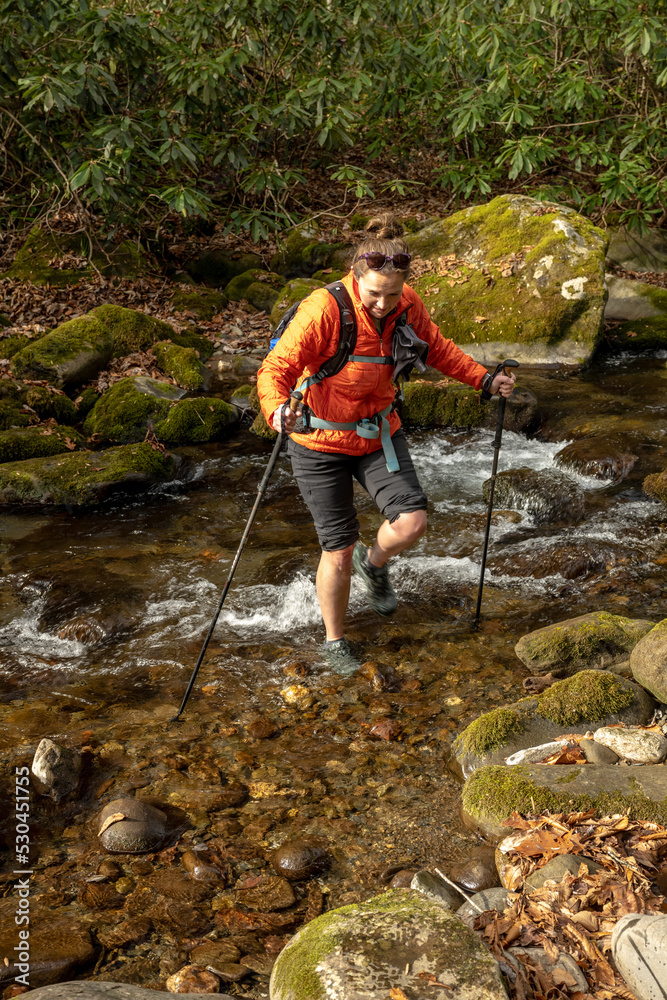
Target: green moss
{"x": 4, "y": 321}
{"x": 329, "y": 275}
{"x": 36, "y": 442}
{"x": 570, "y": 775}
{"x": 359, "y": 221}
{"x": 302, "y": 253}
{"x": 36, "y": 260}
{"x": 85, "y": 402}
{"x": 203, "y": 302}
{"x": 52, "y": 357}
{"x": 11, "y": 416}
{"x": 123, "y": 413}
{"x": 639, "y": 335}
{"x": 190, "y": 338}
{"x": 294, "y": 291}
{"x": 81, "y": 478}
{"x": 591, "y": 695}
{"x": 46, "y": 403}
{"x": 579, "y": 642}
{"x": 489, "y": 732}
{"x": 262, "y": 296}
{"x": 193, "y": 420}
{"x": 656, "y": 486}
{"x": 181, "y": 363}
{"x": 238, "y": 287}
{"x": 130, "y": 329}
{"x": 428, "y": 404}
{"x": 9, "y": 346}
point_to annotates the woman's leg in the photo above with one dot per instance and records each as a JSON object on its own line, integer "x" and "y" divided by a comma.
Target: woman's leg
{"x": 333, "y": 589}
{"x": 395, "y": 536}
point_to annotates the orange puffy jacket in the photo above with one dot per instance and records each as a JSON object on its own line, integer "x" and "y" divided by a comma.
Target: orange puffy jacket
{"x": 360, "y": 389}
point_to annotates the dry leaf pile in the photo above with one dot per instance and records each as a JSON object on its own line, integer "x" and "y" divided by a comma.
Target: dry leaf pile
{"x": 651, "y": 277}
{"x": 577, "y": 915}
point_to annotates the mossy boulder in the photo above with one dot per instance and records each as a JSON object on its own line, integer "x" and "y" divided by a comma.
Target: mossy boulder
{"x": 367, "y": 950}
{"x": 655, "y": 485}
{"x": 548, "y": 496}
{"x": 48, "y": 402}
{"x": 11, "y": 415}
{"x": 648, "y": 661}
{"x": 516, "y": 277}
{"x": 190, "y": 421}
{"x": 125, "y": 411}
{"x": 293, "y": 292}
{"x": 595, "y": 640}
{"x": 216, "y": 268}
{"x": 71, "y": 354}
{"x": 64, "y": 259}
{"x": 635, "y": 252}
{"x": 85, "y": 402}
{"x": 9, "y": 346}
{"x": 328, "y": 275}
{"x": 190, "y": 338}
{"x": 493, "y": 793}
{"x": 438, "y": 404}
{"x": 130, "y": 329}
{"x": 203, "y": 303}
{"x": 303, "y": 253}
{"x": 259, "y": 288}
{"x": 83, "y": 478}
{"x": 591, "y": 698}
{"x": 639, "y": 335}
{"x": 35, "y": 442}
{"x": 182, "y": 364}
{"x": 260, "y": 427}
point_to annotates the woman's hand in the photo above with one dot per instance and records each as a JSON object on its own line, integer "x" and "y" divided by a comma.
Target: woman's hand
{"x": 290, "y": 419}
{"x": 502, "y": 385}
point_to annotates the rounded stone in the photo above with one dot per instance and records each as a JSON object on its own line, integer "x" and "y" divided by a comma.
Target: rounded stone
{"x": 478, "y": 871}
{"x": 130, "y": 826}
{"x": 301, "y": 858}
{"x": 596, "y": 753}
{"x": 402, "y": 879}
{"x": 490, "y": 899}
{"x": 215, "y": 953}
{"x": 648, "y": 661}
{"x": 639, "y": 948}
{"x": 270, "y": 894}
{"x": 639, "y": 746}
{"x": 198, "y": 867}
{"x": 193, "y": 979}
{"x": 436, "y": 889}
{"x": 55, "y": 770}
{"x": 262, "y": 728}
{"x": 556, "y": 870}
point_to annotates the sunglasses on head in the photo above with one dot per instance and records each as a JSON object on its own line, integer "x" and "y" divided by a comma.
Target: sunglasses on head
{"x": 377, "y": 260}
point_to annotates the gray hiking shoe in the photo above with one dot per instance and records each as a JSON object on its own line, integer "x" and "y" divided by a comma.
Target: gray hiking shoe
{"x": 381, "y": 596}
{"x": 339, "y": 657}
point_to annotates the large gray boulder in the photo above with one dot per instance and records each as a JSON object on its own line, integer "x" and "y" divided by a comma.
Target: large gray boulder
{"x": 596, "y": 640}
{"x": 515, "y": 278}
{"x": 639, "y": 948}
{"x": 648, "y": 661}
{"x": 362, "y": 951}
{"x": 633, "y": 252}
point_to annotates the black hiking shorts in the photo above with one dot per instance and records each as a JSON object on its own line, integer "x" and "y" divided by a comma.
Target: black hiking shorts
{"x": 325, "y": 480}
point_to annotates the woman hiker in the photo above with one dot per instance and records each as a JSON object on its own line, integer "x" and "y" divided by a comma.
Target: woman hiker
{"x": 354, "y": 431}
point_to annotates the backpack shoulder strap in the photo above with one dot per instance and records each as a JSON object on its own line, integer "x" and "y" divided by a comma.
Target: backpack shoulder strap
{"x": 347, "y": 338}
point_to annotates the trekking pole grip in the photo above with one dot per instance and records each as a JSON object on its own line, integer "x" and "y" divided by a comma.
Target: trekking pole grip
{"x": 295, "y": 400}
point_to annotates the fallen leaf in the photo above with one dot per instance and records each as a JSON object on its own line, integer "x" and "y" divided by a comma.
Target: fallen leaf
{"x": 396, "y": 993}
{"x": 480, "y": 319}
{"x": 110, "y": 820}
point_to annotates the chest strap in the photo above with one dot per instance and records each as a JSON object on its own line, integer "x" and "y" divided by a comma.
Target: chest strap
{"x": 370, "y": 428}
{"x": 318, "y": 376}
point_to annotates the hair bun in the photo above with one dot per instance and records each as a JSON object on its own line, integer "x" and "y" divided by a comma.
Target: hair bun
{"x": 385, "y": 227}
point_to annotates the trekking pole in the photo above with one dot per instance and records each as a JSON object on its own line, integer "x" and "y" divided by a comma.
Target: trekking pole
{"x": 295, "y": 400}
{"x": 496, "y": 446}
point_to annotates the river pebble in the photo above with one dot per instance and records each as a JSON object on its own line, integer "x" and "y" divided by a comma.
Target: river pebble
{"x": 130, "y": 826}
{"x": 301, "y": 858}
{"x": 215, "y": 953}
{"x": 478, "y": 871}
{"x": 55, "y": 770}
{"x": 533, "y": 755}
{"x": 262, "y": 728}
{"x": 437, "y": 890}
{"x": 193, "y": 979}
{"x": 198, "y": 866}
{"x": 270, "y": 894}
{"x": 297, "y": 696}
{"x": 386, "y": 729}
{"x": 230, "y": 972}
{"x": 402, "y": 879}
{"x": 639, "y": 746}
{"x": 597, "y": 753}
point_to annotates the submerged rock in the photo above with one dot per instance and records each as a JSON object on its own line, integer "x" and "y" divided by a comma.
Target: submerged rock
{"x": 71, "y": 354}
{"x": 100, "y": 990}
{"x": 301, "y": 858}
{"x": 363, "y": 951}
{"x": 82, "y": 478}
{"x": 655, "y": 486}
{"x": 648, "y": 661}
{"x": 639, "y": 948}
{"x": 493, "y": 793}
{"x": 597, "y": 639}
{"x": 193, "y": 979}
{"x": 526, "y": 280}
{"x": 60, "y": 946}
{"x": 549, "y": 497}
{"x": 601, "y": 457}
{"x": 131, "y": 826}
{"x": 55, "y": 770}
{"x": 477, "y": 871}
{"x": 270, "y": 894}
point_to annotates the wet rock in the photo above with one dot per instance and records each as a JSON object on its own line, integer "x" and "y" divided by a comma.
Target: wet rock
{"x": 564, "y": 971}
{"x": 386, "y": 729}
{"x": 231, "y": 972}
{"x": 549, "y": 497}
{"x": 436, "y": 889}
{"x": 490, "y": 899}
{"x": 262, "y": 728}
{"x": 297, "y": 696}
{"x": 175, "y": 884}
{"x": 543, "y": 305}
{"x": 533, "y": 755}
{"x": 261, "y": 964}
{"x": 100, "y": 991}
{"x": 217, "y": 953}
{"x": 589, "y": 698}
{"x": 100, "y": 896}
{"x": 131, "y": 931}
{"x": 597, "y": 639}
{"x": 571, "y": 560}
{"x": 271, "y": 893}
{"x": 17, "y": 445}
{"x": 71, "y": 354}
{"x": 596, "y": 753}
{"x": 492, "y": 793}
{"x": 55, "y": 770}
{"x": 381, "y": 677}
{"x": 639, "y": 948}
{"x": 199, "y": 867}
{"x": 131, "y": 826}
{"x": 60, "y": 946}
{"x": 556, "y": 870}
{"x": 601, "y": 457}
{"x": 193, "y": 979}
{"x": 301, "y": 858}
{"x": 648, "y": 661}
{"x": 364, "y": 950}
{"x": 183, "y": 365}
{"x": 402, "y": 879}
{"x": 639, "y": 746}
{"x": 477, "y": 871}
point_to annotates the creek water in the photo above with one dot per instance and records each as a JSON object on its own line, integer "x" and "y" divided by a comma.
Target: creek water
{"x": 102, "y": 615}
